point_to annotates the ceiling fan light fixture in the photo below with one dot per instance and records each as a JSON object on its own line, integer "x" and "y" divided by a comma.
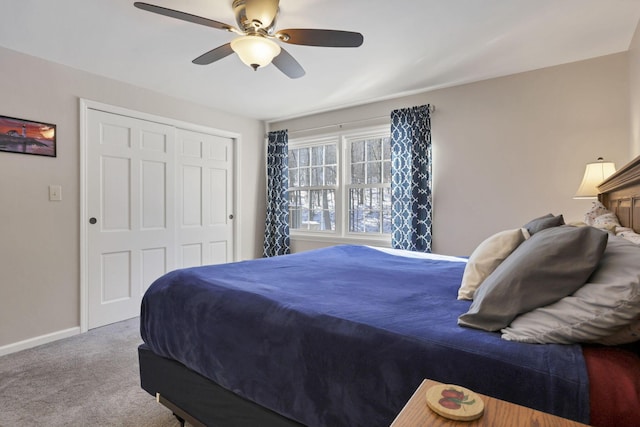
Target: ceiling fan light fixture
{"x": 255, "y": 51}
{"x": 256, "y": 25}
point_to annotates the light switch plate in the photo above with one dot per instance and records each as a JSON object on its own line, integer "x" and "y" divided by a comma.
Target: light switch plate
{"x": 55, "y": 193}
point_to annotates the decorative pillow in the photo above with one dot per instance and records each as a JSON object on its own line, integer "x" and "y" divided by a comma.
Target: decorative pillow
{"x": 596, "y": 210}
{"x": 551, "y": 264}
{"x": 543, "y": 222}
{"x": 608, "y": 222}
{"x": 486, "y": 257}
{"x": 605, "y": 310}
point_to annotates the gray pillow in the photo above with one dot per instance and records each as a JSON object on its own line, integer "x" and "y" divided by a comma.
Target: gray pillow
{"x": 550, "y": 265}
{"x": 605, "y": 310}
{"x": 543, "y": 222}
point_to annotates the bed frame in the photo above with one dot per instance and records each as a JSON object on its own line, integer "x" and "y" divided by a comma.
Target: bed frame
{"x": 620, "y": 193}
{"x": 198, "y": 400}
{"x": 201, "y": 402}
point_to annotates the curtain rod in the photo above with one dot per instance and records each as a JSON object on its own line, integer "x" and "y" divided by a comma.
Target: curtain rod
{"x": 432, "y": 109}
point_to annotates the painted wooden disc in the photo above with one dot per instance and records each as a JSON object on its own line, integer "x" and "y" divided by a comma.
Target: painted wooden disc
{"x": 455, "y": 402}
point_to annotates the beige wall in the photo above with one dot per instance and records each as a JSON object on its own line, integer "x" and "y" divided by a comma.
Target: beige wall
{"x": 39, "y": 239}
{"x": 634, "y": 91}
{"x": 512, "y": 148}
{"x": 505, "y": 150}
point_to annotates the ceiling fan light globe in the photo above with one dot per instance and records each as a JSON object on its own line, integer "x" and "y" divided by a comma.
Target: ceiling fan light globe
{"x": 255, "y": 51}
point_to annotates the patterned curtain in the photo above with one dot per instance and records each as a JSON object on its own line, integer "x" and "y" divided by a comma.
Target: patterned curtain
{"x": 411, "y": 207}
{"x": 276, "y": 233}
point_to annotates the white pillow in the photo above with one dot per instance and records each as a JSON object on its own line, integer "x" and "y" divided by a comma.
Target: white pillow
{"x": 605, "y": 310}
{"x": 486, "y": 257}
{"x": 625, "y": 335}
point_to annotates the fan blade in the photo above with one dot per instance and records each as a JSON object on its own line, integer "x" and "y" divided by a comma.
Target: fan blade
{"x": 326, "y": 38}
{"x": 288, "y": 65}
{"x": 214, "y": 55}
{"x": 182, "y": 15}
{"x": 264, "y": 11}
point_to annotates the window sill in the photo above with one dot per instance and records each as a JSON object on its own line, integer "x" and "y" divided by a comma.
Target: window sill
{"x": 382, "y": 241}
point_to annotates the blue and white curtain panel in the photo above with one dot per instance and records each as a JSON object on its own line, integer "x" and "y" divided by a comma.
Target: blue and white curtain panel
{"x": 276, "y": 233}
{"x": 411, "y": 200}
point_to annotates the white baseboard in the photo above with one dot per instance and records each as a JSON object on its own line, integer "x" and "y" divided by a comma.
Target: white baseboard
{"x": 36, "y": 341}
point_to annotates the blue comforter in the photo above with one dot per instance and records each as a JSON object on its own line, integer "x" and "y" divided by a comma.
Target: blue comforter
{"x": 342, "y": 336}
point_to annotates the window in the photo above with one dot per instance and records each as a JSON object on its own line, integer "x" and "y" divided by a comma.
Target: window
{"x": 341, "y": 185}
{"x": 369, "y": 188}
{"x": 313, "y": 174}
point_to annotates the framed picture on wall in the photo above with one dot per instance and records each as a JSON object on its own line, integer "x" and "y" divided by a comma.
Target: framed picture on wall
{"x": 27, "y": 137}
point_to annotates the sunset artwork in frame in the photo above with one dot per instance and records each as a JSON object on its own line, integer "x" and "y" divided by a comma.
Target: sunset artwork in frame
{"x": 27, "y": 137}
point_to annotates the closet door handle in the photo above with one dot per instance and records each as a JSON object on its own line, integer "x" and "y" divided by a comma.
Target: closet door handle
{"x": 231, "y": 216}
{"x": 92, "y": 220}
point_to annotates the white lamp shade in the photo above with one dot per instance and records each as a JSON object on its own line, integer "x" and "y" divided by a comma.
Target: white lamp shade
{"x": 594, "y": 174}
{"x": 255, "y": 51}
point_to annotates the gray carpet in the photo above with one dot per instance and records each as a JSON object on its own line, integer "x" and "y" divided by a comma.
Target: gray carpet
{"x": 90, "y": 379}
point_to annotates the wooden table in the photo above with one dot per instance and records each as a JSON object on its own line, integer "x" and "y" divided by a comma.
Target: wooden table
{"x": 497, "y": 413}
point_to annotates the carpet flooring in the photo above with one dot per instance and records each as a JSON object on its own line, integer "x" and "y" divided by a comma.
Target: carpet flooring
{"x": 90, "y": 379}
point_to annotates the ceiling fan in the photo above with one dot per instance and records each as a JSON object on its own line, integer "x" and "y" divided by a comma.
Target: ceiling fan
{"x": 256, "y": 20}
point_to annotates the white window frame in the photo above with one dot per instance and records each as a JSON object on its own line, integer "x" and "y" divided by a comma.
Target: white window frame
{"x": 343, "y": 140}
{"x": 372, "y": 133}
{"x": 315, "y": 142}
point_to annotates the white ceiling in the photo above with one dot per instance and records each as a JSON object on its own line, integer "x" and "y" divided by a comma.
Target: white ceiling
{"x": 409, "y": 46}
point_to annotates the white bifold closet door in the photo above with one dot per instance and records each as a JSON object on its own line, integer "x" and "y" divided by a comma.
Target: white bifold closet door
{"x": 158, "y": 198}
{"x": 205, "y": 171}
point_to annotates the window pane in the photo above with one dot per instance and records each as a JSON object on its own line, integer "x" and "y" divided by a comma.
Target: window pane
{"x": 365, "y": 210}
{"x": 357, "y": 173}
{"x": 293, "y": 159}
{"x": 298, "y": 208}
{"x": 293, "y": 177}
{"x": 357, "y": 151}
{"x": 374, "y": 173}
{"x": 303, "y": 179}
{"x": 316, "y": 176}
{"x": 330, "y": 155}
{"x": 323, "y": 210}
{"x": 330, "y": 176}
{"x": 317, "y": 156}
{"x": 386, "y": 177}
{"x": 303, "y": 157}
{"x": 370, "y": 210}
{"x": 386, "y": 148}
{"x": 374, "y": 149}
{"x": 312, "y": 210}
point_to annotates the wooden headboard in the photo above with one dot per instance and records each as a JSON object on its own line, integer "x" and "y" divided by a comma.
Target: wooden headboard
{"x": 621, "y": 194}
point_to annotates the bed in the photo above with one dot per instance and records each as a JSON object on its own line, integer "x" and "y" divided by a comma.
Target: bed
{"x": 342, "y": 336}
